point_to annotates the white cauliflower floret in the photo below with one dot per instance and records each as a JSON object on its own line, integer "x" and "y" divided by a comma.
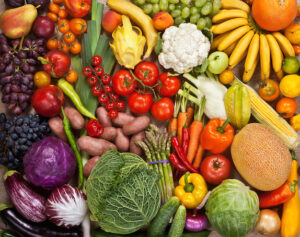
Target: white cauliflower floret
{"x": 183, "y": 47}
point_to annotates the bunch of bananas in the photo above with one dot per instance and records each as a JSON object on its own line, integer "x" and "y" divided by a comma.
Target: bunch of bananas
{"x": 239, "y": 36}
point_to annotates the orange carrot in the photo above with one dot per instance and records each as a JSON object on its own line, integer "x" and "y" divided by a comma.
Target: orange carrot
{"x": 182, "y": 119}
{"x": 198, "y": 158}
{"x": 172, "y": 127}
{"x": 190, "y": 115}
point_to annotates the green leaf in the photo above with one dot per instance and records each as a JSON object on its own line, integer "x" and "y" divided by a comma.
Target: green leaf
{"x": 202, "y": 68}
{"x": 208, "y": 34}
{"x": 92, "y": 32}
{"x": 158, "y": 46}
{"x": 98, "y": 19}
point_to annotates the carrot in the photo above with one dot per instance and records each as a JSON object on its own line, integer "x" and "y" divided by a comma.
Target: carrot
{"x": 182, "y": 117}
{"x": 195, "y": 129}
{"x": 190, "y": 115}
{"x": 172, "y": 127}
{"x": 198, "y": 158}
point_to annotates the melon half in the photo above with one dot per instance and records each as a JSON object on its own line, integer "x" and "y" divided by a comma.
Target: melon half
{"x": 261, "y": 157}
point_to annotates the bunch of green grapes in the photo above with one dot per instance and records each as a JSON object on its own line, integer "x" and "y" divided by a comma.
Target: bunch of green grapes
{"x": 197, "y": 12}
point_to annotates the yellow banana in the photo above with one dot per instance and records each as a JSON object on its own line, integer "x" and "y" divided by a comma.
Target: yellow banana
{"x": 235, "y": 4}
{"x": 229, "y": 50}
{"x": 233, "y": 36}
{"x": 276, "y": 53}
{"x": 247, "y": 75}
{"x": 284, "y": 44}
{"x": 228, "y": 14}
{"x": 229, "y": 25}
{"x": 265, "y": 54}
{"x": 279, "y": 74}
{"x": 240, "y": 50}
{"x": 217, "y": 41}
{"x": 252, "y": 53}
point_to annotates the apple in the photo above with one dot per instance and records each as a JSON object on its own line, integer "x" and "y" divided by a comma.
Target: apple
{"x": 43, "y": 27}
{"x": 290, "y": 65}
{"x": 217, "y": 62}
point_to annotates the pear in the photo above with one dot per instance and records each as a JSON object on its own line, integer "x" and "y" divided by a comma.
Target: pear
{"x": 17, "y": 22}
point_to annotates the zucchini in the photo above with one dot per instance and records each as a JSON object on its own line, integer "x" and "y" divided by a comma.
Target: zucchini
{"x": 178, "y": 223}
{"x": 160, "y": 222}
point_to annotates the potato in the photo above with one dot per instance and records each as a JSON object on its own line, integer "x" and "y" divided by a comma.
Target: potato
{"x": 76, "y": 119}
{"x": 87, "y": 169}
{"x": 94, "y": 146}
{"x": 122, "y": 119}
{"x": 122, "y": 142}
{"x": 57, "y": 127}
{"x": 109, "y": 133}
{"x": 103, "y": 117}
{"x": 137, "y": 125}
{"x": 137, "y": 137}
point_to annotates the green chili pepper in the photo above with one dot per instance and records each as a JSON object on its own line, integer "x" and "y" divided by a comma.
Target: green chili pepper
{"x": 68, "y": 89}
{"x": 73, "y": 145}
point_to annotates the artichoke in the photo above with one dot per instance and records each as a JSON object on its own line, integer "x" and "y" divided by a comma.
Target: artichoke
{"x": 128, "y": 44}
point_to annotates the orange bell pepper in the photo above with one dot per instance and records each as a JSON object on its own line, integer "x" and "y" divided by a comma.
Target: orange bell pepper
{"x": 217, "y": 135}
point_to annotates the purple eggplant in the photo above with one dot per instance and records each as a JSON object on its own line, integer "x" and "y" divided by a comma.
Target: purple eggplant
{"x": 29, "y": 204}
{"x": 196, "y": 222}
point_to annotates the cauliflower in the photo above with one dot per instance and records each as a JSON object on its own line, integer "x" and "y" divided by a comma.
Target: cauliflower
{"x": 183, "y": 47}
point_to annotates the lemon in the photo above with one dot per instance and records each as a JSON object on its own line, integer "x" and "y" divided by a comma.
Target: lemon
{"x": 290, "y": 85}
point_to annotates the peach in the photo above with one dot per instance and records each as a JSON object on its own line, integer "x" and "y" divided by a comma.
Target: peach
{"x": 292, "y": 32}
{"x": 162, "y": 20}
{"x": 111, "y": 20}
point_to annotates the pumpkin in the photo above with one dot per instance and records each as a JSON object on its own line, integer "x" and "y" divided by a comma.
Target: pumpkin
{"x": 274, "y": 15}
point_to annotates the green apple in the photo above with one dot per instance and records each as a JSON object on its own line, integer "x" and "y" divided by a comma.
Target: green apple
{"x": 217, "y": 62}
{"x": 290, "y": 65}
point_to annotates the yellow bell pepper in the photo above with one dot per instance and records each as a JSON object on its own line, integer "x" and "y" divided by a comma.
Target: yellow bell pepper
{"x": 295, "y": 122}
{"x": 291, "y": 209}
{"x": 191, "y": 190}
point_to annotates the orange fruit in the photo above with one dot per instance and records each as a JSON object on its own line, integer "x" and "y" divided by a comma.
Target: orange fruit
{"x": 72, "y": 76}
{"x": 78, "y": 26}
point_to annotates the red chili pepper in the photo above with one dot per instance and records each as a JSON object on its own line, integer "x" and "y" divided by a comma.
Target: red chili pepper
{"x": 185, "y": 139}
{"x": 94, "y": 128}
{"x": 176, "y": 163}
{"x": 277, "y": 196}
{"x": 181, "y": 156}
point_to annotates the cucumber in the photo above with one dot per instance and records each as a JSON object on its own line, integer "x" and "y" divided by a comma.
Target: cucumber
{"x": 178, "y": 223}
{"x": 160, "y": 222}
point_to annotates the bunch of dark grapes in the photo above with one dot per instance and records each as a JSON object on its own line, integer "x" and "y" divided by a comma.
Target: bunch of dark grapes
{"x": 17, "y": 67}
{"x": 17, "y": 134}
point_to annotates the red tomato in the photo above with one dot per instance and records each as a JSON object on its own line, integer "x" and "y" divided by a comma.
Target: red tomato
{"x": 123, "y": 83}
{"x": 140, "y": 102}
{"x": 168, "y": 85}
{"x": 163, "y": 109}
{"x": 147, "y": 72}
{"x": 215, "y": 169}
{"x": 78, "y": 8}
{"x": 57, "y": 63}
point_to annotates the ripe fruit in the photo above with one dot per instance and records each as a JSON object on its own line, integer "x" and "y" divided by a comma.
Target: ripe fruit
{"x": 63, "y": 26}
{"x": 290, "y": 65}
{"x": 218, "y": 62}
{"x": 162, "y": 20}
{"x": 268, "y": 90}
{"x": 292, "y": 32}
{"x": 290, "y": 85}
{"x": 75, "y": 48}
{"x": 111, "y": 20}
{"x": 78, "y": 26}
{"x": 41, "y": 79}
{"x": 286, "y": 107}
{"x": 62, "y": 13}
{"x": 72, "y": 76}
{"x": 52, "y": 44}
{"x": 43, "y": 27}
{"x": 53, "y": 8}
{"x": 226, "y": 77}
{"x": 69, "y": 37}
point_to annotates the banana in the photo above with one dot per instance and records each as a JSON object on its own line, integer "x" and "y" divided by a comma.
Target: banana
{"x": 233, "y": 37}
{"x": 240, "y": 50}
{"x": 217, "y": 41}
{"x": 279, "y": 74}
{"x": 252, "y": 53}
{"x": 264, "y": 52}
{"x": 235, "y": 4}
{"x": 276, "y": 53}
{"x": 284, "y": 44}
{"x": 229, "y": 50}
{"x": 228, "y": 14}
{"x": 229, "y": 25}
{"x": 247, "y": 75}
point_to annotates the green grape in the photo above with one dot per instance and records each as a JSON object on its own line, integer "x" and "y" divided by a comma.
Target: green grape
{"x": 208, "y": 22}
{"x": 185, "y": 12}
{"x": 201, "y": 23}
{"x": 200, "y": 3}
{"x": 171, "y": 7}
{"x": 216, "y": 7}
{"x": 178, "y": 21}
{"x": 185, "y": 2}
{"x": 179, "y": 7}
{"x": 154, "y": 1}
{"x": 195, "y": 18}
{"x": 163, "y": 5}
{"x": 174, "y": 1}
{"x": 147, "y": 8}
{"x": 141, "y": 2}
{"x": 193, "y": 10}
{"x": 155, "y": 8}
{"x": 206, "y": 9}
{"x": 135, "y": 2}
{"x": 176, "y": 13}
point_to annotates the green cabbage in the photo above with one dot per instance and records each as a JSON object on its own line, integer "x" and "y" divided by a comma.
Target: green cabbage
{"x": 122, "y": 192}
{"x": 232, "y": 208}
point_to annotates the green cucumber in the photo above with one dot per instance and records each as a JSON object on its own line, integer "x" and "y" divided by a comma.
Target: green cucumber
{"x": 178, "y": 223}
{"x": 160, "y": 222}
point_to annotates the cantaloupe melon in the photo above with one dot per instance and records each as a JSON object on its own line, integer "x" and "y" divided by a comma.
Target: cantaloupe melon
{"x": 261, "y": 157}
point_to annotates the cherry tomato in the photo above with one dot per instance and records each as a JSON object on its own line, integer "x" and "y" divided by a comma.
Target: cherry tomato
{"x": 52, "y": 44}
{"x": 92, "y": 80}
{"x": 72, "y": 76}
{"x": 269, "y": 90}
{"x": 41, "y": 79}
{"x": 53, "y": 8}
{"x": 75, "y": 48}
{"x": 113, "y": 114}
{"x": 103, "y": 98}
{"x": 99, "y": 71}
{"x": 62, "y": 13}
{"x": 58, "y": 1}
{"x": 114, "y": 96}
{"x": 123, "y": 83}
{"x": 110, "y": 105}
{"x": 296, "y": 48}
{"x": 140, "y": 102}
{"x": 87, "y": 71}
{"x": 286, "y": 107}
{"x": 69, "y": 37}
{"x": 62, "y": 46}
{"x": 215, "y": 169}
{"x": 96, "y": 90}
{"x": 52, "y": 16}
{"x": 168, "y": 85}
{"x": 147, "y": 72}
{"x": 96, "y": 60}
{"x": 120, "y": 105}
{"x": 107, "y": 88}
{"x": 105, "y": 78}
{"x": 63, "y": 26}
{"x": 78, "y": 26}
{"x": 163, "y": 109}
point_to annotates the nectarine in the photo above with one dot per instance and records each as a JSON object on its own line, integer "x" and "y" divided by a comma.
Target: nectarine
{"x": 111, "y": 20}
{"x": 162, "y": 20}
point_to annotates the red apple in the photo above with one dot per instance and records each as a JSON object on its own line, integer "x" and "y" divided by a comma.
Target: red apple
{"x": 47, "y": 100}
{"x": 111, "y": 20}
{"x": 43, "y": 27}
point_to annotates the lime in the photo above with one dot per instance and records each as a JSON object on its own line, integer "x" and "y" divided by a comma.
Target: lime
{"x": 290, "y": 65}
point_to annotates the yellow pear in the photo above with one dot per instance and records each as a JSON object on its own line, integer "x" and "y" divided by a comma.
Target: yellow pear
{"x": 17, "y": 22}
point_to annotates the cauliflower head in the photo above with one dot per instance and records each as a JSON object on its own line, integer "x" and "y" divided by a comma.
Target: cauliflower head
{"x": 183, "y": 47}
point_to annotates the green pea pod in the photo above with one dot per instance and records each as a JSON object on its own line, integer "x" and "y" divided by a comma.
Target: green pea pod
{"x": 68, "y": 89}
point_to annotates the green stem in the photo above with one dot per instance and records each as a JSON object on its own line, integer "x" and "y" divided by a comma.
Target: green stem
{"x": 177, "y": 106}
{"x": 200, "y": 109}
{"x": 294, "y": 157}
{"x": 222, "y": 128}
{"x": 188, "y": 187}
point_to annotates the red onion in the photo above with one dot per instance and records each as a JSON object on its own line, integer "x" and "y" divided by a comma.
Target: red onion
{"x": 195, "y": 222}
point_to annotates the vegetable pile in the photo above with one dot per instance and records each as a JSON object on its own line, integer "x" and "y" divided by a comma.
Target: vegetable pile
{"x": 157, "y": 118}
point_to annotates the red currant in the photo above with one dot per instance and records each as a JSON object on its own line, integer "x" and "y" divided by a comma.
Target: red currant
{"x": 96, "y": 90}
{"x": 110, "y": 105}
{"x": 120, "y": 105}
{"x": 113, "y": 114}
{"x": 105, "y": 78}
{"x": 114, "y": 96}
{"x": 92, "y": 80}
{"x": 99, "y": 70}
{"x": 96, "y": 60}
{"x": 87, "y": 71}
{"x": 107, "y": 88}
{"x": 103, "y": 98}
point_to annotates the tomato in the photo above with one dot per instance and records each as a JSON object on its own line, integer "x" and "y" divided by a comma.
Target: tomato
{"x": 41, "y": 79}
{"x": 72, "y": 76}
{"x": 52, "y": 44}
{"x": 114, "y": 96}
{"x": 269, "y": 90}
{"x": 87, "y": 71}
{"x": 215, "y": 169}
{"x": 107, "y": 89}
{"x": 123, "y": 83}
{"x": 78, "y": 8}
{"x": 62, "y": 13}
{"x": 120, "y": 105}
{"x": 139, "y": 102}
{"x": 52, "y": 16}
{"x": 75, "y": 48}
{"x": 96, "y": 90}
{"x": 163, "y": 109}
{"x": 103, "y": 98}
{"x": 286, "y": 107}
{"x": 105, "y": 78}
{"x": 147, "y": 72}
{"x": 58, "y": 1}
{"x": 92, "y": 80}
{"x": 99, "y": 71}
{"x": 168, "y": 85}
{"x": 113, "y": 114}
{"x": 296, "y": 48}
{"x": 110, "y": 105}
{"x": 78, "y": 26}
{"x": 69, "y": 37}
{"x": 57, "y": 63}
{"x": 53, "y": 8}
{"x": 62, "y": 46}
{"x": 63, "y": 26}
{"x": 96, "y": 60}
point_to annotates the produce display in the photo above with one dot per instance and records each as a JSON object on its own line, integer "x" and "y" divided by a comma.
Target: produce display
{"x": 157, "y": 118}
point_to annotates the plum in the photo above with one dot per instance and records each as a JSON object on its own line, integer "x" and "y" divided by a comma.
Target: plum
{"x": 43, "y": 27}
{"x": 15, "y": 3}
{"x": 42, "y": 3}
